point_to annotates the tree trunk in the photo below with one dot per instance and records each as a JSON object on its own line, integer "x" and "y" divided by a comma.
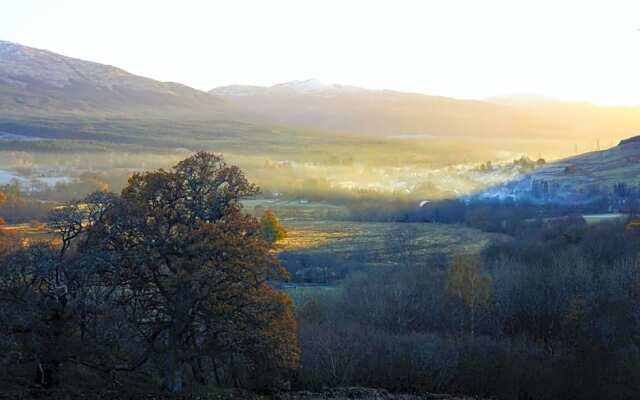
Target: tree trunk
{"x": 174, "y": 379}
{"x": 174, "y": 369}
{"x": 198, "y": 372}
{"x": 215, "y": 371}
{"x": 173, "y": 373}
{"x": 46, "y": 374}
{"x": 473, "y": 322}
{"x": 49, "y": 363}
{"x": 234, "y": 375}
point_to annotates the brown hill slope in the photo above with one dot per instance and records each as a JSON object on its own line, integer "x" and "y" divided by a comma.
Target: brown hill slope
{"x": 35, "y": 81}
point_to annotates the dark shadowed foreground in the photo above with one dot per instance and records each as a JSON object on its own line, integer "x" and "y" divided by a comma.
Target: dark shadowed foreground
{"x": 166, "y": 291}
{"x": 346, "y": 393}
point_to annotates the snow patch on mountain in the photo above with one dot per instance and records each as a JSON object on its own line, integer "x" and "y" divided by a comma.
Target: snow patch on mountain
{"x": 306, "y": 86}
{"x": 300, "y": 87}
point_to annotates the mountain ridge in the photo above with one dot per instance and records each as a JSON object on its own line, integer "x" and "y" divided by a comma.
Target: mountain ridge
{"x": 310, "y": 103}
{"x": 40, "y": 81}
{"x": 35, "y": 82}
{"x": 394, "y": 113}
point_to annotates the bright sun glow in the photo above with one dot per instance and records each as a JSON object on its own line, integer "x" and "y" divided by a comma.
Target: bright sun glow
{"x": 577, "y": 50}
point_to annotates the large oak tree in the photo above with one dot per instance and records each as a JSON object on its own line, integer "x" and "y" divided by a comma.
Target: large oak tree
{"x": 170, "y": 278}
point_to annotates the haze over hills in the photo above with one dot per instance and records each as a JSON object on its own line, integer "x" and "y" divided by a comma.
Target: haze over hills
{"x": 40, "y": 82}
{"x": 311, "y": 103}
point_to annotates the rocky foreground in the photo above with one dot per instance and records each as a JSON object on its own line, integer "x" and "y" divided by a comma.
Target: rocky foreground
{"x": 345, "y": 393}
{"x": 363, "y": 394}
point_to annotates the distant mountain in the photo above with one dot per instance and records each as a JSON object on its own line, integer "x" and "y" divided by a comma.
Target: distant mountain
{"x": 36, "y": 82}
{"x": 313, "y": 104}
{"x": 39, "y": 81}
{"x": 293, "y": 88}
{"x": 524, "y": 100}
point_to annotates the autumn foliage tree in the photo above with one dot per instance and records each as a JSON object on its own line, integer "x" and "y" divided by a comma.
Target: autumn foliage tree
{"x": 7, "y": 241}
{"x": 272, "y": 230}
{"x": 467, "y": 284}
{"x": 3, "y": 198}
{"x": 181, "y": 246}
{"x": 169, "y": 279}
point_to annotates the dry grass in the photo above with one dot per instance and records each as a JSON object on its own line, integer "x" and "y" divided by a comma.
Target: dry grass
{"x": 370, "y": 241}
{"x": 29, "y": 233}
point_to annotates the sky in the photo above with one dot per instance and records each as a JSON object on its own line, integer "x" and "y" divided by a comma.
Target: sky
{"x": 574, "y": 50}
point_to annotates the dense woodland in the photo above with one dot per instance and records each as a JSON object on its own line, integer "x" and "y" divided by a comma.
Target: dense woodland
{"x": 172, "y": 287}
{"x": 164, "y": 284}
{"x": 552, "y": 314}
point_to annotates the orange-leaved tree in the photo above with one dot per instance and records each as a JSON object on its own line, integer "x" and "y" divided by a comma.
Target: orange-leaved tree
{"x": 3, "y": 198}
{"x": 468, "y": 284}
{"x": 194, "y": 270}
{"x": 272, "y": 230}
{"x": 171, "y": 278}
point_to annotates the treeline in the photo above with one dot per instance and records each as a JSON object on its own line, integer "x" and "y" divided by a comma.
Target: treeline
{"x": 505, "y": 216}
{"x": 22, "y": 204}
{"x": 15, "y": 207}
{"x": 552, "y": 314}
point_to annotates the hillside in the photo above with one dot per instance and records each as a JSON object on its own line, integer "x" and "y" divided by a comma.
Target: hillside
{"x": 579, "y": 177}
{"x": 606, "y": 167}
{"x": 34, "y": 81}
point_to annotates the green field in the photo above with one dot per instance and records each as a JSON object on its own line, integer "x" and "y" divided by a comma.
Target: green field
{"x": 320, "y": 230}
{"x": 599, "y": 218}
{"x": 380, "y": 243}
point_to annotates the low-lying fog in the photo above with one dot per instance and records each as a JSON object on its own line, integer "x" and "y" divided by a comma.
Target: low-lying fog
{"x": 31, "y": 183}
{"x": 70, "y": 175}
